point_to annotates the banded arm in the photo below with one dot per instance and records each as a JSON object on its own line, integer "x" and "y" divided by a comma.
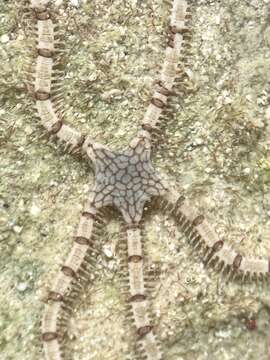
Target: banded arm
{"x": 138, "y": 303}
{"x": 46, "y": 87}
{"x": 170, "y": 71}
{"x": 68, "y": 281}
{"x": 215, "y": 251}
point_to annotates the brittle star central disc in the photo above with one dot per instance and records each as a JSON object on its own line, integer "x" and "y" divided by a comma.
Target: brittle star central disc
{"x": 126, "y": 179}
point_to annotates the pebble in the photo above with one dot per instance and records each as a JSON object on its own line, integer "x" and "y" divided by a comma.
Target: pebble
{"x": 246, "y": 171}
{"x": 22, "y": 286}
{"x": 74, "y": 3}
{"x": 17, "y": 229}
{"x": 35, "y": 210}
{"x": 4, "y": 38}
{"x": 108, "y": 253}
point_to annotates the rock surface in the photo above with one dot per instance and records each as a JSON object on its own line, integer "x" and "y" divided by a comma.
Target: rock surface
{"x": 217, "y": 153}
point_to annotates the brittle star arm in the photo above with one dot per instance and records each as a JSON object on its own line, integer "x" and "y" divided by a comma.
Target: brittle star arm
{"x": 138, "y": 301}
{"x": 170, "y": 71}
{"x": 202, "y": 236}
{"x": 68, "y": 281}
{"x": 46, "y": 85}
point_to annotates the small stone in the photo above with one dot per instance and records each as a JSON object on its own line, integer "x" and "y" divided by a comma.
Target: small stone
{"x": 4, "y": 39}
{"x": 35, "y": 210}
{"x": 246, "y": 171}
{"x": 74, "y": 3}
{"x": 22, "y": 286}
{"x": 108, "y": 253}
{"x": 249, "y": 97}
{"x": 17, "y": 229}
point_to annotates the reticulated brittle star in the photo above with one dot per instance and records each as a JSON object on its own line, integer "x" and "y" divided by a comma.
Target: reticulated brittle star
{"x": 124, "y": 179}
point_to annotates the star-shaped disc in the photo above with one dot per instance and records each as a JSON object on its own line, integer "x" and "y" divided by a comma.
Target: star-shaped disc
{"x": 125, "y": 179}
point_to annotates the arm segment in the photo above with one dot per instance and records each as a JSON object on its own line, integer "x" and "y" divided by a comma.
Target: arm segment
{"x": 202, "y": 236}
{"x": 45, "y": 89}
{"x": 170, "y": 70}
{"x": 139, "y": 304}
{"x": 68, "y": 279}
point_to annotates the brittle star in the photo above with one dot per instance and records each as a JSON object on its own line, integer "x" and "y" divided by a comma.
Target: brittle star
{"x": 126, "y": 180}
